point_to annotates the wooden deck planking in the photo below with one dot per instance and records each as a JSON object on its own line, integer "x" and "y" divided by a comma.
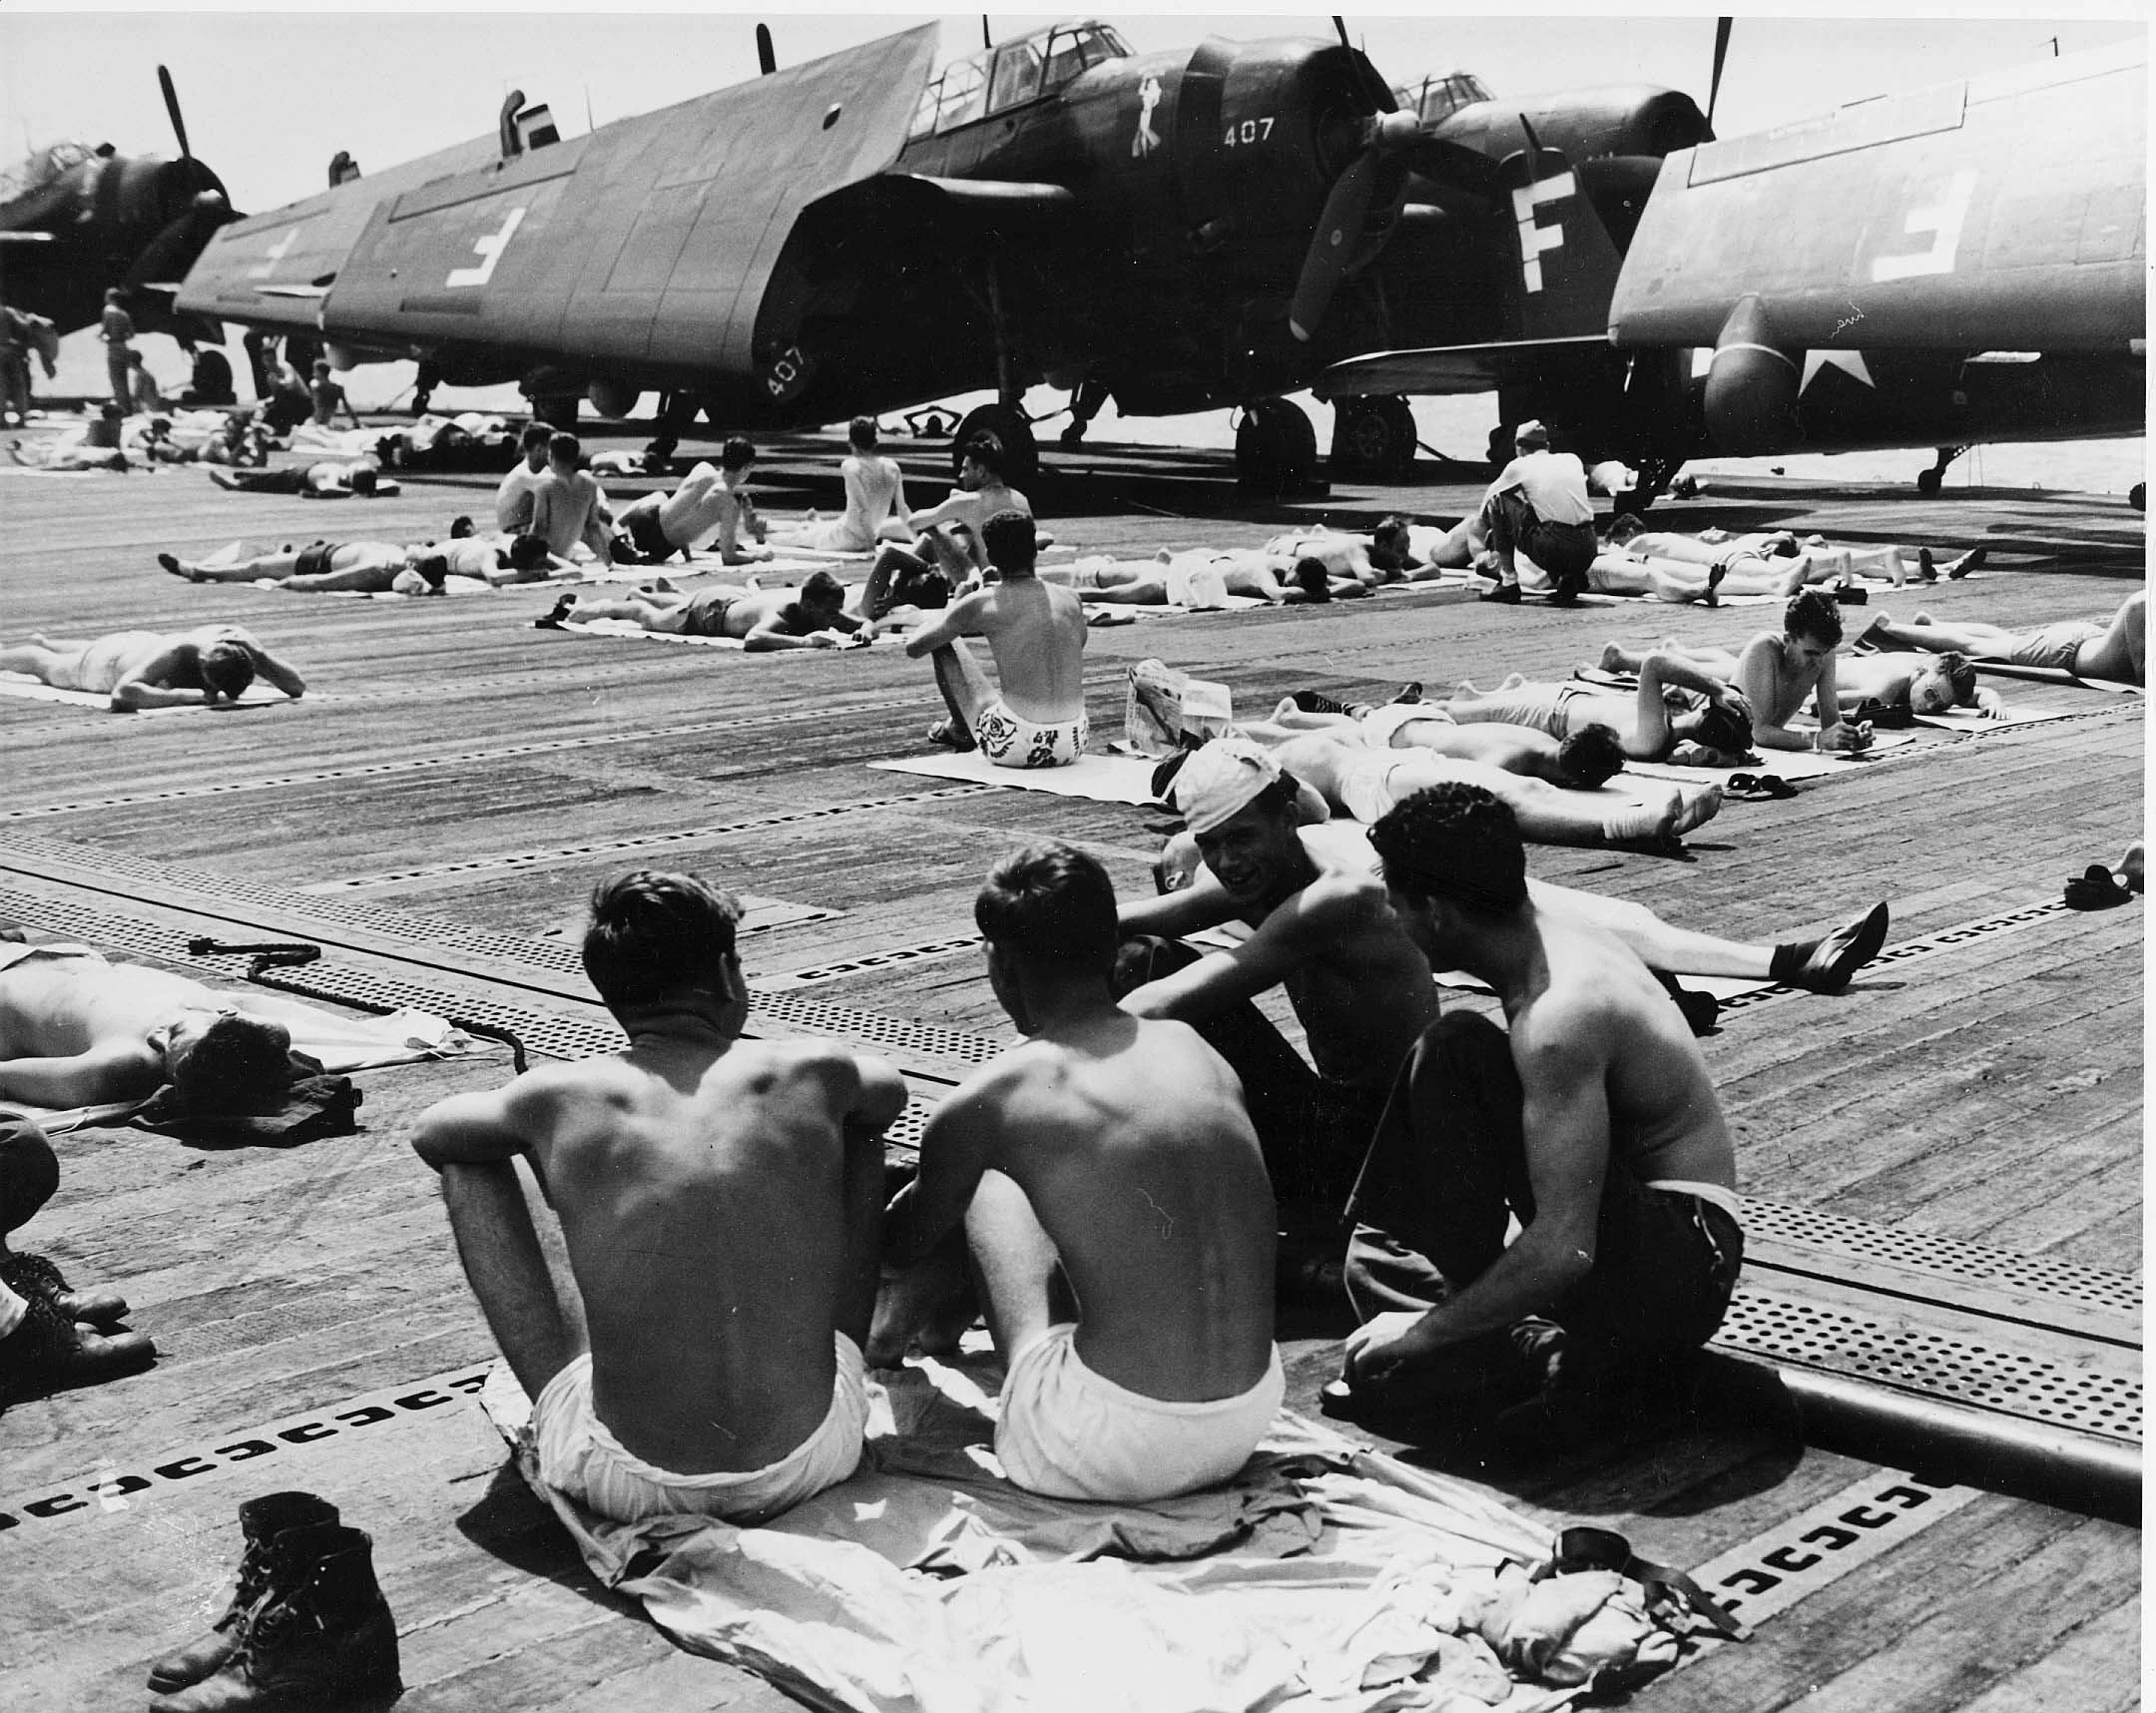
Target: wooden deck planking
{"x": 356, "y": 1288}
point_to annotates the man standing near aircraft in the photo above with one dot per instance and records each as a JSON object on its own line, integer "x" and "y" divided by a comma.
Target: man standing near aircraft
{"x": 1539, "y": 506}
{"x": 118, "y": 331}
{"x": 1037, "y": 633}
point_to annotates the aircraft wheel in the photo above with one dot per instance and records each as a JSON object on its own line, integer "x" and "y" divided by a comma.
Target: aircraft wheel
{"x": 1275, "y": 448}
{"x": 1927, "y": 484}
{"x": 2137, "y": 496}
{"x": 1499, "y": 449}
{"x": 1374, "y": 437}
{"x": 559, "y": 412}
{"x": 1009, "y": 429}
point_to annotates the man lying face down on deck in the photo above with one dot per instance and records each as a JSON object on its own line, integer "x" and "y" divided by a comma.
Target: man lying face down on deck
{"x": 720, "y": 1202}
{"x": 77, "y": 1031}
{"x": 762, "y": 620}
{"x": 1110, "y": 1157}
{"x": 1360, "y": 986}
{"x": 1590, "y": 1117}
{"x": 152, "y": 669}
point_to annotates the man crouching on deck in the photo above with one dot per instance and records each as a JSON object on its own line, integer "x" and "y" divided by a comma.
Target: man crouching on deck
{"x": 1592, "y": 1119}
{"x": 720, "y": 1203}
{"x": 1108, "y": 1158}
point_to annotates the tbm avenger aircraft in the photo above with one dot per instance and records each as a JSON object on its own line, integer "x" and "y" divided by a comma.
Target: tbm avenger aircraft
{"x": 1177, "y": 229}
{"x": 1955, "y": 265}
{"x": 75, "y": 221}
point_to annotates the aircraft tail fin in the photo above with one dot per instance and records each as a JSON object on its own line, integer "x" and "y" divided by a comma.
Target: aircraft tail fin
{"x": 1567, "y": 265}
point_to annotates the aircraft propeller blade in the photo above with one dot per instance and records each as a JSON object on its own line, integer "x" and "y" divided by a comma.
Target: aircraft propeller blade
{"x": 172, "y": 108}
{"x": 1347, "y": 212}
{"x": 1721, "y": 53}
{"x": 1455, "y": 165}
{"x": 766, "y": 56}
{"x": 1341, "y": 24}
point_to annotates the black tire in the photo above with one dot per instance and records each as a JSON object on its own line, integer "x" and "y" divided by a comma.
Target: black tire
{"x": 2137, "y": 496}
{"x": 1927, "y": 484}
{"x": 1366, "y": 439}
{"x": 1400, "y": 415}
{"x": 1011, "y": 431}
{"x": 1499, "y": 449}
{"x": 1276, "y": 448}
{"x": 559, "y": 412}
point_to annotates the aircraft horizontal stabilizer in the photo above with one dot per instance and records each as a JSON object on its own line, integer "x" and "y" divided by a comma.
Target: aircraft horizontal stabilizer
{"x": 1438, "y": 369}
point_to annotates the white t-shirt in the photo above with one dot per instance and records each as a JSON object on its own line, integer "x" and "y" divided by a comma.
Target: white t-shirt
{"x": 1555, "y": 483}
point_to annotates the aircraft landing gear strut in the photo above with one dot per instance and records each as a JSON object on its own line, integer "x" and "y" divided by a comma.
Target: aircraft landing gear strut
{"x": 1655, "y": 476}
{"x": 1275, "y": 449}
{"x": 1928, "y": 481}
{"x": 1087, "y": 398}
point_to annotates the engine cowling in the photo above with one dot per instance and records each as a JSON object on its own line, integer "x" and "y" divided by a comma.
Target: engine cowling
{"x": 613, "y": 399}
{"x": 1752, "y": 386}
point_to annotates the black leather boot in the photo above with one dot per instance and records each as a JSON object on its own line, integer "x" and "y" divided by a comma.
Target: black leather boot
{"x": 262, "y": 1520}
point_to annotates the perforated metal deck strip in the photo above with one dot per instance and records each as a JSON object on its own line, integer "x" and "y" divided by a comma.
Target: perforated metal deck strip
{"x": 515, "y": 859}
{"x": 545, "y": 1033}
{"x": 2100, "y": 1393}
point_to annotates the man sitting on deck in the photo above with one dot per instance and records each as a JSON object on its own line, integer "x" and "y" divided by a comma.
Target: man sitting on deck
{"x": 875, "y": 501}
{"x": 150, "y": 669}
{"x": 2116, "y": 650}
{"x": 568, "y": 507}
{"x": 813, "y": 615}
{"x": 77, "y": 1031}
{"x": 720, "y": 1202}
{"x": 1590, "y": 1117}
{"x": 1038, "y": 634}
{"x": 1109, "y": 1157}
{"x": 513, "y": 498}
{"x": 949, "y": 533}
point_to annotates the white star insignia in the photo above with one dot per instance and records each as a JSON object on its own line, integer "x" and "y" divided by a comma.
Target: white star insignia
{"x": 1848, "y": 362}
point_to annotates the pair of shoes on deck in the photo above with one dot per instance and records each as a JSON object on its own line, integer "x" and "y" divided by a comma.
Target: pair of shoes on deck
{"x": 1759, "y": 787}
{"x": 307, "y": 1626}
{"x": 66, "y": 1337}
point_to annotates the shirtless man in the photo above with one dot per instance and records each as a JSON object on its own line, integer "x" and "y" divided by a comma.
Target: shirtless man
{"x": 1581, "y": 760}
{"x": 1037, "y": 633}
{"x": 1108, "y": 1157}
{"x": 1590, "y": 1117}
{"x": 1717, "y": 736}
{"x": 375, "y": 567}
{"x": 1361, "y": 989}
{"x": 949, "y": 533}
{"x": 2116, "y": 650}
{"x": 720, "y": 1202}
{"x": 1366, "y": 782}
{"x": 332, "y": 478}
{"x": 711, "y": 503}
{"x": 1776, "y": 674}
{"x": 77, "y": 1031}
{"x": 153, "y": 669}
{"x": 329, "y": 397}
{"x": 1887, "y": 683}
{"x": 513, "y": 498}
{"x": 1345, "y": 558}
{"x": 875, "y": 500}
{"x": 1808, "y": 559}
{"x": 569, "y": 506}
{"x": 764, "y": 619}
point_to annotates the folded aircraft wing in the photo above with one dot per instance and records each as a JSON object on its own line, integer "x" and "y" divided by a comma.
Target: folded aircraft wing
{"x": 1439, "y": 369}
{"x": 273, "y": 269}
{"x": 2005, "y": 212}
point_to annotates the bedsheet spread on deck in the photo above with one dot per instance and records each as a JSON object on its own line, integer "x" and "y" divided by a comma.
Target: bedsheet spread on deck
{"x": 926, "y": 1583}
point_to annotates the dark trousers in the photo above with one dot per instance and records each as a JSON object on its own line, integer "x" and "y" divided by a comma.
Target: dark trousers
{"x": 1561, "y": 549}
{"x": 1314, "y": 1131}
{"x": 121, "y": 374}
{"x": 28, "y": 1171}
{"x": 1448, "y": 1165}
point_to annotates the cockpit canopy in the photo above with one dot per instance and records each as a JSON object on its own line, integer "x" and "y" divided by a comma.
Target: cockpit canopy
{"x": 1013, "y": 72}
{"x": 1437, "y": 98}
{"x": 45, "y": 164}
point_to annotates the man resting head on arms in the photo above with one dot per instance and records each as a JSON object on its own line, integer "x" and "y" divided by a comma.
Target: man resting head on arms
{"x": 720, "y": 1204}
{"x": 1109, "y": 1158}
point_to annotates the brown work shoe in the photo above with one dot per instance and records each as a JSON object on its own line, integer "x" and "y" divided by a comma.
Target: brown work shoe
{"x": 34, "y": 1276}
{"x": 48, "y": 1351}
{"x": 322, "y": 1637}
{"x": 262, "y": 1520}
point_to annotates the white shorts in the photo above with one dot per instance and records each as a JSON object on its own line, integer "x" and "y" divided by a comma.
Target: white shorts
{"x": 579, "y": 1456}
{"x": 1065, "y": 1431}
{"x": 1010, "y": 742}
{"x": 1199, "y": 587}
{"x": 1364, "y": 784}
{"x": 1381, "y": 725}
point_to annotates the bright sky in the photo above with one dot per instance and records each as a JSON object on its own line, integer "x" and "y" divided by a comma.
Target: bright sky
{"x": 269, "y": 96}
